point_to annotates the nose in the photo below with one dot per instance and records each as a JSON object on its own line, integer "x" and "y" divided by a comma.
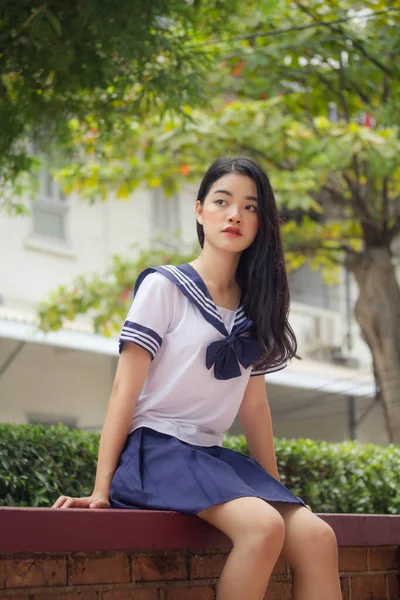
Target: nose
{"x": 235, "y": 215}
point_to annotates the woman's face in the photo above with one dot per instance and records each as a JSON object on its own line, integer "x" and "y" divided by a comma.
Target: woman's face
{"x": 230, "y": 203}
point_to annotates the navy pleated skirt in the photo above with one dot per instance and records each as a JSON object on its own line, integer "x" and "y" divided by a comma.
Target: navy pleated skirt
{"x": 158, "y": 471}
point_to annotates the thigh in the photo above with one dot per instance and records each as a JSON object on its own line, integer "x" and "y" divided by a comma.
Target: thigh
{"x": 243, "y": 516}
{"x": 307, "y": 536}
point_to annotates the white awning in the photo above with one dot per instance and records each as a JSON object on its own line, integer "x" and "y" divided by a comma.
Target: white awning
{"x": 307, "y": 374}
{"x": 22, "y": 326}
{"x": 352, "y": 382}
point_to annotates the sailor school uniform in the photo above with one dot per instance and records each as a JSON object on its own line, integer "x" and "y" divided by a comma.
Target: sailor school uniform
{"x": 202, "y": 357}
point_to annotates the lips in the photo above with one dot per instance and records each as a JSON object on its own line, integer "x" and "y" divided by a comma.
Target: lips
{"x": 232, "y": 230}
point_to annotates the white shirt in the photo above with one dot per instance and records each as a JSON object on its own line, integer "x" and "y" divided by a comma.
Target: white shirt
{"x": 175, "y": 319}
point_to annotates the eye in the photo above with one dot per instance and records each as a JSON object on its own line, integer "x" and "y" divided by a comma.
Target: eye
{"x": 218, "y": 201}
{"x": 252, "y": 207}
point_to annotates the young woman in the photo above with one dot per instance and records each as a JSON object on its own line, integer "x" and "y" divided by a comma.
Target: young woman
{"x": 195, "y": 346}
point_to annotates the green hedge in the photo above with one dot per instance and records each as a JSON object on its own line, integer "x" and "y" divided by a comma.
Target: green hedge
{"x": 38, "y": 463}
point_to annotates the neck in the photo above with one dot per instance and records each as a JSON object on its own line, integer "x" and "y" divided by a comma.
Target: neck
{"x": 219, "y": 268}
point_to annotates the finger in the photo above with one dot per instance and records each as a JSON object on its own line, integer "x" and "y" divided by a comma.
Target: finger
{"x": 68, "y": 502}
{"x": 58, "y": 503}
{"x": 99, "y": 504}
{"x": 77, "y": 503}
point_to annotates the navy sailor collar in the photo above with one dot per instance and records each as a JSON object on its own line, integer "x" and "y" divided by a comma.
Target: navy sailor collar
{"x": 192, "y": 285}
{"x": 225, "y": 354}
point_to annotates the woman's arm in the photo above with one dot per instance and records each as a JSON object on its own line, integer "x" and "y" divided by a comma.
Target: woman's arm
{"x": 255, "y": 418}
{"x": 129, "y": 380}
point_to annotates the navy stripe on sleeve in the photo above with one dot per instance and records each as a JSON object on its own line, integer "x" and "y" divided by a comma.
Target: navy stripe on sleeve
{"x": 270, "y": 370}
{"x": 140, "y": 335}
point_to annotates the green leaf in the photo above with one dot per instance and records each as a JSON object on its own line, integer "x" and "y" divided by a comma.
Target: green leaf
{"x": 54, "y": 21}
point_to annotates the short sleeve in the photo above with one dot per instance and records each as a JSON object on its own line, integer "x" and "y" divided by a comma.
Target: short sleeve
{"x": 150, "y": 314}
{"x": 273, "y": 369}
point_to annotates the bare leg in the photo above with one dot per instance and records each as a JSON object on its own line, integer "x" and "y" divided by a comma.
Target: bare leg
{"x": 310, "y": 548}
{"x": 257, "y": 533}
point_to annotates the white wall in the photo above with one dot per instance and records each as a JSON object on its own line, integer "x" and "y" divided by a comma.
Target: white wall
{"x": 55, "y": 383}
{"x": 187, "y": 197}
{"x": 321, "y": 416}
{"x": 31, "y": 266}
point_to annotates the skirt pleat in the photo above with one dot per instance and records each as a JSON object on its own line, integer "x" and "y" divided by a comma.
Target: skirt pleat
{"x": 160, "y": 472}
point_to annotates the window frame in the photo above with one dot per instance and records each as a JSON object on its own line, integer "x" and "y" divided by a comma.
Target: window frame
{"x": 55, "y": 203}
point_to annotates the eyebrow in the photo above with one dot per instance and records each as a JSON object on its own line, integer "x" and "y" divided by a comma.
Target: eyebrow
{"x": 230, "y": 194}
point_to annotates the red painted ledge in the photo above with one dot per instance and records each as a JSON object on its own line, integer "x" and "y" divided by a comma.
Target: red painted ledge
{"x": 26, "y": 530}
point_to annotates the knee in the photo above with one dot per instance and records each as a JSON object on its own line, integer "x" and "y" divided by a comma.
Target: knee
{"x": 267, "y": 533}
{"x": 320, "y": 538}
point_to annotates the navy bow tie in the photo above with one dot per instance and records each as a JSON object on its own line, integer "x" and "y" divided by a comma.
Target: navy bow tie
{"x": 228, "y": 353}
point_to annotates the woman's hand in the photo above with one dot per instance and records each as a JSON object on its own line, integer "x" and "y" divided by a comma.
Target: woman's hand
{"x": 96, "y": 500}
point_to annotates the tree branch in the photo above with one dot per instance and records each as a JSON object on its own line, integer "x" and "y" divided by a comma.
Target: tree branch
{"x": 356, "y": 171}
{"x": 342, "y": 88}
{"x": 349, "y": 83}
{"x": 313, "y": 245}
{"x": 331, "y": 87}
{"x": 34, "y": 15}
{"x": 385, "y": 90}
{"x": 263, "y": 156}
{"x": 385, "y": 196}
{"x": 356, "y": 43}
{"x": 358, "y": 201}
{"x": 359, "y": 91}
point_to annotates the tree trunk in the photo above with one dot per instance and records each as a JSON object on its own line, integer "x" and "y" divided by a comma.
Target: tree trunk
{"x": 377, "y": 311}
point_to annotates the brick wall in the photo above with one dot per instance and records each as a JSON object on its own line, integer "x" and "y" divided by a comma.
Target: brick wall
{"x": 366, "y": 574}
{"x": 166, "y": 556}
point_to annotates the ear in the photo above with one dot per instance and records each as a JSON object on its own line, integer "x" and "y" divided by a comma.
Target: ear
{"x": 199, "y": 212}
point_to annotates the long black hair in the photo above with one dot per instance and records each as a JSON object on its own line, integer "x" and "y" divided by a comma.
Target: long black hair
{"x": 261, "y": 273}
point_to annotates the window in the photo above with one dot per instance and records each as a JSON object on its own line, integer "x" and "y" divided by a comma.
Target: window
{"x": 166, "y": 218}
{"x": 49, "y": 211}
{"x": 307, "y": 287}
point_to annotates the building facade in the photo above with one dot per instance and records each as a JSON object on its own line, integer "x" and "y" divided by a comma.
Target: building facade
{"x": 67, "y": 375}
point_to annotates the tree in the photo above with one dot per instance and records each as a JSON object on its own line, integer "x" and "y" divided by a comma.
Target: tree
{"x": 352, "y": 63}
{"x": 105, "y": 63}
{"x": 108, "y": 295}
{"x": 315, "y": 99}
